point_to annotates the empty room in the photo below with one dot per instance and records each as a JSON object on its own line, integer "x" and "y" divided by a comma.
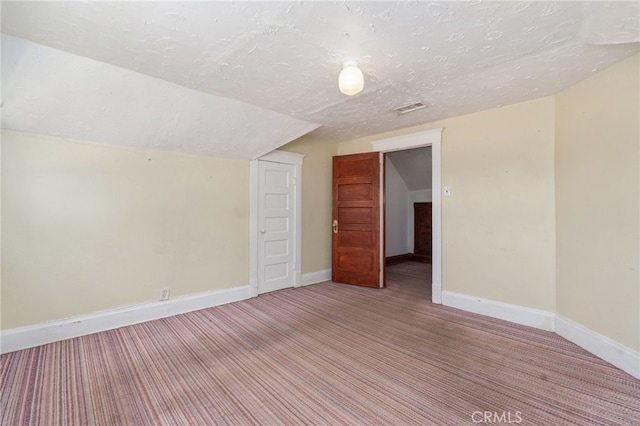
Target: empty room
{"x": 320, "y": 213}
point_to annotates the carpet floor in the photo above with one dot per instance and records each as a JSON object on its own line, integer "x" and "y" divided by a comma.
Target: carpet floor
{"x": 326, "y": 354}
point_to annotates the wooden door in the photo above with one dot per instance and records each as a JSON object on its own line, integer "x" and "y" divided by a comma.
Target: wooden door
{"x": 276, "y": 223}
{"x": 356, "y": 220}
{"x": 422, "y": 232}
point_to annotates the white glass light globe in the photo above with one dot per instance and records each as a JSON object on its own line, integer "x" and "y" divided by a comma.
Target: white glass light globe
{"x": 351, "y": 80}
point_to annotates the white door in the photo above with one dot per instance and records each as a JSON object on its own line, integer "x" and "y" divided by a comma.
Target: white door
{"x": 276, "y": 226}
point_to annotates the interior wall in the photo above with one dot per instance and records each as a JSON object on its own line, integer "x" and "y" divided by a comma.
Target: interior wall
{"x": 498, "y": 225}
{"x": 396, "y": 210}
{"x": 598, "y": 202}
{"x": 1, "y": 221}
{"x": 90, "y": 227}
{"x": 316, "y": 200}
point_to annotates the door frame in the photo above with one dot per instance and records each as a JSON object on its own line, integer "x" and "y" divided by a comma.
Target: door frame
{"x": 282, "y": 157}
{"x": 432, "y": 138}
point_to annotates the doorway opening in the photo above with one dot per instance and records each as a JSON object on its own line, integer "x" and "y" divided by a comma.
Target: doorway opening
{"x": 408, "y": 212}
{"x": 432, "y": 139}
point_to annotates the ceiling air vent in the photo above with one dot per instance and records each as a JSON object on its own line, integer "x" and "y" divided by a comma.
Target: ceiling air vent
{"x": 409, "y": 108}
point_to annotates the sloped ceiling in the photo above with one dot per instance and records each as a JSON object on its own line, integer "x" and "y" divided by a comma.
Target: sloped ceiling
{"x": 281, "y": 60}
{"x": 414, "y": 167}
{"x": 53, "y": 92}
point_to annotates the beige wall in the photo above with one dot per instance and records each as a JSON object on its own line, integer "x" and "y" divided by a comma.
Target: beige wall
{"x": 316, "y": 201}
{"x": 598, "y": 206}
{"x": 88, "y": 227}
{"x": 498, "y": 226}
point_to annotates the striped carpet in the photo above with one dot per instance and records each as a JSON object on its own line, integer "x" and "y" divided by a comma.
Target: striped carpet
{"x": 326, "y": 354}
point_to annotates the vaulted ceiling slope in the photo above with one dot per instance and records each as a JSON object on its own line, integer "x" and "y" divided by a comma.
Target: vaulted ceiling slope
{"x": 49, "y": 91}
{"x": 413, "y": 166}
{"x": 267, "y": 71}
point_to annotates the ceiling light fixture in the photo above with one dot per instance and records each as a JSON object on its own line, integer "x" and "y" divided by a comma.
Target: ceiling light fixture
{"x": 351, "y": 80}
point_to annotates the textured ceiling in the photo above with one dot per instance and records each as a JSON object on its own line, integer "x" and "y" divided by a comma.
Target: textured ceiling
{"x": 284, "y": 57}
{"x": 49, "y": 91}
{"x": 414, "y": 167}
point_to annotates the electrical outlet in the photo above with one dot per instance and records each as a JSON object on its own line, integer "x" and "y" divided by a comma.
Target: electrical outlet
{"x": 164, "y": 293}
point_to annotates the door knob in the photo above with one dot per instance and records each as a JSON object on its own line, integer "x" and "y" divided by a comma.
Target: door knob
{"x": 335, "y": 226}
{"x": 262, "y": 231}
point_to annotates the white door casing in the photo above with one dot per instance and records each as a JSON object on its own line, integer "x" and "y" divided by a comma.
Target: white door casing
{"x": 431, "y": 138}
{"x": 275, "y": 226}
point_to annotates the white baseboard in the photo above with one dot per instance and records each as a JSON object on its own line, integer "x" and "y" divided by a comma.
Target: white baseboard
{"x": 505, "y": 311}
{"x": 316, "y": 277}
{"x": 26, "y": 337}
{"x": 601, "y": 346}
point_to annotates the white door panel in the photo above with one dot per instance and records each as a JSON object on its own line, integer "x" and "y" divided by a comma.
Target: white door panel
{"x": 275, "y": 221}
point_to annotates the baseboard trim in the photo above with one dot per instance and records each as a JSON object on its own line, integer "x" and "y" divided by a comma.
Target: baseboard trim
{"x": 601, "y": 346}
{"x": 316, "y": 277}
{"x": 400, "y": 258}
{"x": 419, "y": 258}
{"x": 514, "y": 313}
{"x": 26, "y": 337}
